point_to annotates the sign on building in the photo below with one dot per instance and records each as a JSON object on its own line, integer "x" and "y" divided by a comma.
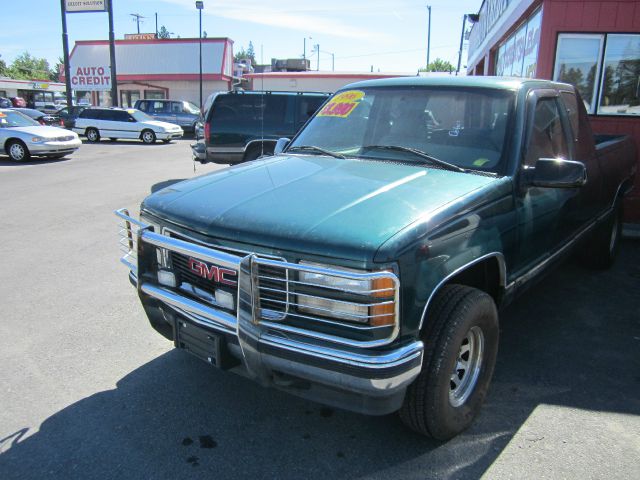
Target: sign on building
{"x": 139, "y": 36}
{"x": 91, "y": 78}
{"x": 77, "y": 6}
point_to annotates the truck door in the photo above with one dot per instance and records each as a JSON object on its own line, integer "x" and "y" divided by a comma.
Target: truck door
{"x": 547, "y": 217}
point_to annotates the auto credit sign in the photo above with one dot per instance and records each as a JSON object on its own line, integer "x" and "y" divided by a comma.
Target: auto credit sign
{"x": 75, "y": 6}
{"x": 91, "y": 78}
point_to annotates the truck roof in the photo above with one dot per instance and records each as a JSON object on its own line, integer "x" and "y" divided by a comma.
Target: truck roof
{"x": 505, "y": 83}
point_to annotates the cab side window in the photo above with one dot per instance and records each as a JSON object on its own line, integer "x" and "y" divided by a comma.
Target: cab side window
{"x": 571, "y": 106}
{"x": 547, "y": 139}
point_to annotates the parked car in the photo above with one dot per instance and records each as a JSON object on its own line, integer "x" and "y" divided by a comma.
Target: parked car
{"x": 5, "y": 103}
{"x": 41, "y": 117}
{"x": 235, "y": 129}
{"x": 50, "y": 108}
{"x": 21, "y": 137}
{"x": 18, "y": 102}
{"x": 68, "y": 115}
{"x": 180, "y": 112}
{"x": 113, "y": 123}
{"x": 363, "y": 265}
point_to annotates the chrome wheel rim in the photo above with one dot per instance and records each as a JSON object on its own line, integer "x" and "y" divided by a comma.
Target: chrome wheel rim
{"x": 92, "y": 135}
{"x": 16, "y": 151}
{"x": 614, "y": 234}
{"x": 147, "y": 137}
{"x": 467, "y": 367}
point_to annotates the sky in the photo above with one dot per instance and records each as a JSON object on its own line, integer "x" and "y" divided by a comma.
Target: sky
{"x": 388, "y": 36}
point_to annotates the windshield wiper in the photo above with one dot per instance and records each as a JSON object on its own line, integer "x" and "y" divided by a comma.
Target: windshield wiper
{"x": 313, "y": 148}
{"x": 419, "y": 153}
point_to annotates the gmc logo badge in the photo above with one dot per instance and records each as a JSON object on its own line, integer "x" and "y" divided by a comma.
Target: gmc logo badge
{"x": 213, "y": 273}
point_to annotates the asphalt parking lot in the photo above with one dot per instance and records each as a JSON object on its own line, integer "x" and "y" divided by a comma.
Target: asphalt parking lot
{"x": 89, "y": 390}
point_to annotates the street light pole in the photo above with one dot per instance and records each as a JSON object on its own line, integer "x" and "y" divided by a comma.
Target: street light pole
{"x": 200, "y": 6}
{"x": 428, "y": 36}
{"x": 65, "y": 52}
{"x": 112, "y": 57}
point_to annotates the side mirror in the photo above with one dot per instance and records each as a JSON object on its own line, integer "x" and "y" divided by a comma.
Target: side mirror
{"x": 557, "y": 173}
{"x": 281, "y": 144}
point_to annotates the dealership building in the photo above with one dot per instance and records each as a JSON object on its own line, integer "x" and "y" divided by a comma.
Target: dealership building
{"x": 151, "y": 69}
{"x": 594, "y": 45}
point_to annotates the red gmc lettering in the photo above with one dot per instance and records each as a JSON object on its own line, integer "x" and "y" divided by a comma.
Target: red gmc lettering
{"x": 217, "y": 274}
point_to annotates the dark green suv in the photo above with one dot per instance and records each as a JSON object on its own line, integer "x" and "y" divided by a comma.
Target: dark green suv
{"x": 241, "y": 126}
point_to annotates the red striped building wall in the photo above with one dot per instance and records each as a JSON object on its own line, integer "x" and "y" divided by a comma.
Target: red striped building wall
{"x": 574, "y": 16}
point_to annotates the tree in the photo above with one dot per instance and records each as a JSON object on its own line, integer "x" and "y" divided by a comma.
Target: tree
{"x": 3, "y": 68}
{"x": 439, "y": 65}
{"x": 57, "y": 71}
{"x": 204, "y": 34}
{"x": 163, "y": 32}
{"x": 27, "y": 67}
{"x": 246, "y": 54}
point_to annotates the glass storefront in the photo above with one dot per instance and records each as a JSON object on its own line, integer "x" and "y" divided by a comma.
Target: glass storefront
{"x": 518, "y": 54}
{"x": 605, "y": 68}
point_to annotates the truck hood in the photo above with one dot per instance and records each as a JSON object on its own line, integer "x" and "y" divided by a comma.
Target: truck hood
{"x": 339, "y": 208}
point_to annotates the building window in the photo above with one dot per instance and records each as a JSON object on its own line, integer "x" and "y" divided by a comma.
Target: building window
{"x": 604, "y": 68}
{"x": 128, "y": 98}
{"x": 518, "y": 54}
{"x": 621, "y": 76}
{"x": 577, "y": 63}
{"x": 154, "y": 94}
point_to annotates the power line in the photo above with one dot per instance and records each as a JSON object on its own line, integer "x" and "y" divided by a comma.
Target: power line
{"x": 395, "y": 52}
{"x": 137, "y": 18}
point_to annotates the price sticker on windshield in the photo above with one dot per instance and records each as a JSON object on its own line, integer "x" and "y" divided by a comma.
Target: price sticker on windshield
{"x": 342, "y": 105}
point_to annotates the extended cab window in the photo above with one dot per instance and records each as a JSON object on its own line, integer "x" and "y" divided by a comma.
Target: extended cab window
{"x": 547, "y": 138}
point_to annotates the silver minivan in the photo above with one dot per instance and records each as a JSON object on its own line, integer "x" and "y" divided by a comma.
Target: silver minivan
{"x": 180, "y": 112}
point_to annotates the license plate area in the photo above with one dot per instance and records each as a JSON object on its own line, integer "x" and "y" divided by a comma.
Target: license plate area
{"x": 204, "y": 344}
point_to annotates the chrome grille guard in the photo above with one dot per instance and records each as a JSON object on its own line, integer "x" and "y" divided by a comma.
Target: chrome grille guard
{"x": 251, "y": 317}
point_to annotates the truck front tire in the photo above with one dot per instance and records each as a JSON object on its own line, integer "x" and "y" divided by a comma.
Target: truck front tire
{"x": 461, "y": 345}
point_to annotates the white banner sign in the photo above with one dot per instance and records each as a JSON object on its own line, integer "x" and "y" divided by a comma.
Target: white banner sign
{"x": 75, "y": 6}
{"x": 91, "y": 78}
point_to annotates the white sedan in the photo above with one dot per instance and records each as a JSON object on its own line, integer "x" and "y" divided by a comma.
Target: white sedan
{"x": 22, "y": 137}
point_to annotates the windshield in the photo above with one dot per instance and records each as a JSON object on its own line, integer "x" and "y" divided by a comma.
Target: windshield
{"x": 464, "y": 127}
{"x": 15, "y": 119}
{"x": 139, "y": 116}
{"x": 191, "y": 108}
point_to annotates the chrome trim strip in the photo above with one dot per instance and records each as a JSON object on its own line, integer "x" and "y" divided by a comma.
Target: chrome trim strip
{"x": 327, "y": 287}
{"x": 191, "y": 306}
{"x": 325, "y": 337}
{"x": 267, "y": 312}
{"x": 221, "y": 259}
{"x": 341, "y": 302}
{"x": 376, "y": 361}
{"x": 501, "y": 267}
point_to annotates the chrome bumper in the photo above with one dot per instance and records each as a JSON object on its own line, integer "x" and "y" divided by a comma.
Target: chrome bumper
{"x": 266, "y": 352}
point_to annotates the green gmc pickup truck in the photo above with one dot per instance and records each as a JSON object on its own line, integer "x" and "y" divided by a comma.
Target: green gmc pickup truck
{"x": 364, "y": 263}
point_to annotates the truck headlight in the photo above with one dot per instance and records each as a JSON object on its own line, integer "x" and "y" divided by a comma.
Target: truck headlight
{"x": 369, "y": 301}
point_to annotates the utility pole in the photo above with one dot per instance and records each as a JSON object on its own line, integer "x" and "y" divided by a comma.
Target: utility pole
{"x": 65, "y": 52}
{"x": 318, "y": 57}
{"x": 137, "y": 17}
{"x": 200, "y": 6}
{"x": 156, "y": 24}
{"x": 112, "y": 57}
{"x": 428, "y": 36}
{"x": 464, "y": 20}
